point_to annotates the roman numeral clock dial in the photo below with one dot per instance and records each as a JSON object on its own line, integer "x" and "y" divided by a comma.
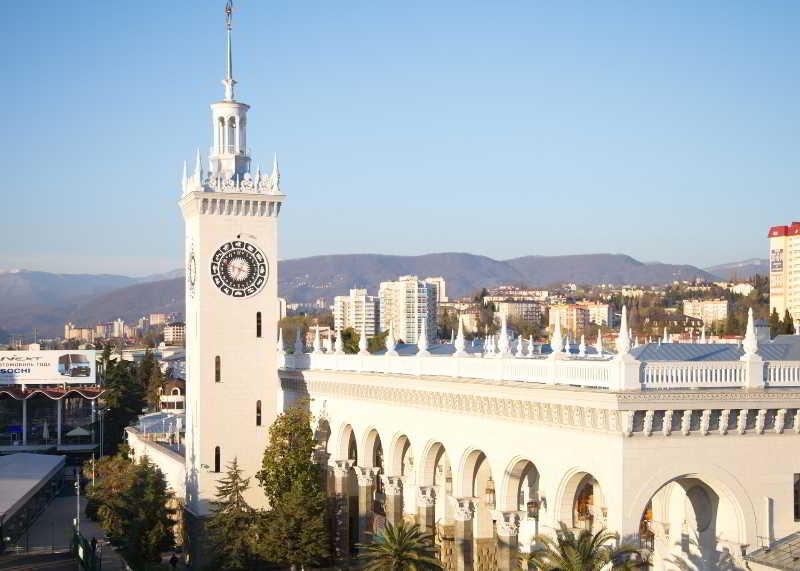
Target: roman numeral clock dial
{"x": 239, "y": 269}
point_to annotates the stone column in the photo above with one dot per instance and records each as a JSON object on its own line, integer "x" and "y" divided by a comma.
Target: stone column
{"x": 507, "y": 541}
{"x": 393, "y": 489}
{"x": 462, "y": 534}
{"x": 340, "y": 509}
{"x": 366, "y": 483}
{"x": 426, "y": 508}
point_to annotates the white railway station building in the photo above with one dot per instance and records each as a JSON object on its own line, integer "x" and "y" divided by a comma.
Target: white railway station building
{"x": 691, "y": 450}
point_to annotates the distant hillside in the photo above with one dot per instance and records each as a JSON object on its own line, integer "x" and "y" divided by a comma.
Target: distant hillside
{"x": 306, "y": 279}
{"x": 741, "y": 270}
{"x": 38, "y": 302}
{"x": 600, "y": 269}
{"x": 19, "y": 288}
{"x": 132, "y": 302}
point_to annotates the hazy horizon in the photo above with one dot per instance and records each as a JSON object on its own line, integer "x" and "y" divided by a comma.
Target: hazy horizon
{"x": 665, "y": 131}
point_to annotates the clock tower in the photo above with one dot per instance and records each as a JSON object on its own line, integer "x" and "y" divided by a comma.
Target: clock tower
{"x": 231, "y": 220}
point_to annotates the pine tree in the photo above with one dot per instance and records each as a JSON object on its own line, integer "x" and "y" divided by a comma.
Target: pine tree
{"x": 294, "y": 532}
{"x": 145, "y": 519}
{"x": 231, "y": 528}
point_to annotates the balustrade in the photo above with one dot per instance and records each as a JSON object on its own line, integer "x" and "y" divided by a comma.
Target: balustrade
{"x": 590, "y": 372}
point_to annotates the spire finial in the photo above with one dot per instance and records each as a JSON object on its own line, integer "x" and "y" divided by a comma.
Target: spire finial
{"x": 459, "y": 343}
{"x": 198, "y": 168}
{"x": 623, "y": 339}
{"x": 276, "y": 175}
{"x": 750, "y": 343}
{"x": 362, "y": 339}
{"x": 229, "y": 82}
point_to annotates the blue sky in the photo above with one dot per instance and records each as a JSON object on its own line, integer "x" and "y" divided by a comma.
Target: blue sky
{"x": 669, "y": 131}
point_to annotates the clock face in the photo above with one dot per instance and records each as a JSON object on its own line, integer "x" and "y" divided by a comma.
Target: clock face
{"x": 191, "y": 272}
{"x": 239, "y": 269}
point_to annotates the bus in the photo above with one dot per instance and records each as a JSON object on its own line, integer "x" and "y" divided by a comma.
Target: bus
{"x": 74, "y": 365}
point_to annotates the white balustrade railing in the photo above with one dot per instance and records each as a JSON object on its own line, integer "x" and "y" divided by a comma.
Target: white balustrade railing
{"x": 783, "y": 373}
{"x": 688, "y": 374}
{"x": 586, "y": 372}
{"x": 591, "y": 372}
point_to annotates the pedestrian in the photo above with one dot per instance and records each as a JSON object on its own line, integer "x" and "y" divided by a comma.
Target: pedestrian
{"x": 173, "y": 562}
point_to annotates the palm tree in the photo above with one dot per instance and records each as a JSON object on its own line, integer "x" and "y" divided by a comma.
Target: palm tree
{"x": 401, "y": 547}
{"x": 584, "y": 552}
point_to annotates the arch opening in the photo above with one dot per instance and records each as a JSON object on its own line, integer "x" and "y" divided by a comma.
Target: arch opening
{"x": 693, "y": 522}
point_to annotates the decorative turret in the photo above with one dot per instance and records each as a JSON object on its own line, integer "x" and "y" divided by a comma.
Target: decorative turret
{"x": 299, "y": 346}
{"x": 459, "y": 341}
{"x": 391, "y": 344}
{"x": 317, "y": 346}
{"x": 556, "y": 341}
{"x": 362, "y": 340}
{"x": 422, "y": 341}
{"x": 339, "y": 345}
{"x": 750, "y": 343}
{"x": 503, "y": 346}
{"x": 281, "y": 349}
{"x": 598, "y": 346}
{"x": 623, "y": 339}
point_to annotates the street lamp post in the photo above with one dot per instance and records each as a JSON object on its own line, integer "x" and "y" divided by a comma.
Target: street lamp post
{"x": 77, "y": 499}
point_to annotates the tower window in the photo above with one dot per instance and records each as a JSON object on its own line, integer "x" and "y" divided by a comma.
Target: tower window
{"x": 258, "y": 413}
{"x": 258, "y": 324}
{"x": 217, "y": 369}
{"x": 216, "y": 459}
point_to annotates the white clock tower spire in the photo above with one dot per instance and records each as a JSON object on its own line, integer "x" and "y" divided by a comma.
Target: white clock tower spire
{"x": 231, "y": 219}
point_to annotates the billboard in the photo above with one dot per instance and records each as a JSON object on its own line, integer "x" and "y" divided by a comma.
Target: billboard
{"x": 54, "y": 367}
{"x": 776, "y": 260}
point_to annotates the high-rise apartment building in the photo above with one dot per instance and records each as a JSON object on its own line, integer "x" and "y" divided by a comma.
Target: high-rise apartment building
{"x": 599, "y": 313}
{"x": 528, "y": 312}
{"x": 574, "y": 318}
{"x": 709, "y": 310}
{"x": 175, "y": 333}
{"x": 784, "y": 269}
{"x": 407, "y": 305}
{"x": 357, "y": 310}
{"x": 441, "y": 288}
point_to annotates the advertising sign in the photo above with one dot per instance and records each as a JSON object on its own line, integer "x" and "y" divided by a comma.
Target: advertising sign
{"x": 776, "y": 260}
{"x": 55, "y": 367}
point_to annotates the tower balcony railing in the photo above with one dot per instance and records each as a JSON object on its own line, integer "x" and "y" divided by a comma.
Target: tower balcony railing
{"x": 607, "y": 372}
{"x": 229, "y": 150}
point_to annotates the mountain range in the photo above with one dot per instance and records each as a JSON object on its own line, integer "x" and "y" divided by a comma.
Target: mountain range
{"x": 42, "y": 300}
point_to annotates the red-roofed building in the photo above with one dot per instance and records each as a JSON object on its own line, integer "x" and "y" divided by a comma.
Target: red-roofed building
{"x": 784, "y": 269}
